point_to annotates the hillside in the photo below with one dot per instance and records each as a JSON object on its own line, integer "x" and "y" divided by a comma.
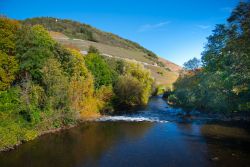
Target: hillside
{"x": 81, "y": 36}
{"x": 78, "y": 30}
{"x": 172, "y": 66}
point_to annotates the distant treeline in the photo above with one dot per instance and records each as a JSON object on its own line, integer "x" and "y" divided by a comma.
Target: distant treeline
{"x": 44, "y": 85}
{"x": 222, "y": 83}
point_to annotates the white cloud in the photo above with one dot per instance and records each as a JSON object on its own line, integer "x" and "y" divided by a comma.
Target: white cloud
{"x": 203, "y": 26}
{"x": 149, "y": 27}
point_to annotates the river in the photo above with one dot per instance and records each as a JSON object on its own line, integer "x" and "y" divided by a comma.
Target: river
{"x": 156, "y": 135}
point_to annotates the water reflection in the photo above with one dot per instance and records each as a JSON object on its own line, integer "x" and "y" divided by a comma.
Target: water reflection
{"x": 179, "y": 143}
{"x": 82, "y": 146}
{"x": 229, "y": 145}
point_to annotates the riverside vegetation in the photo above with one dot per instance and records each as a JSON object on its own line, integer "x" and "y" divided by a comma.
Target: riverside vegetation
{"x": 45, "y": 86}
{"x": 222, "y": 82}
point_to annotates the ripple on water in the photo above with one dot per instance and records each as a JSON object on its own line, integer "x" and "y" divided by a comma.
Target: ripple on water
{"x": 130, "y": 119}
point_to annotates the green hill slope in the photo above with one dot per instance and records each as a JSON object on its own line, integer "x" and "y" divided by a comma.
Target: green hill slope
{"x": 81, "y": 36}
{"x": 78, "y": 30}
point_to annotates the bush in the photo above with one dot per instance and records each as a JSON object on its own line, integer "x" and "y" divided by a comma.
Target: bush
{"x": 159, "y": 90}
{"x": 129, "y": 91}
{"x": 172, "y": 99}
{"x": 143, "y": 76}
{"x": 13, "y": 127}
{"x": 93, "y": 49}
{"x": 103, "y": 74}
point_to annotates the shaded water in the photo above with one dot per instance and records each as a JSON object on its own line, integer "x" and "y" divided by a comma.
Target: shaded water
{"x": 154, "y": 136}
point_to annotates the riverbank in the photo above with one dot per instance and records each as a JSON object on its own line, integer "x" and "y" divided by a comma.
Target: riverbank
{"x": 219, "y": 116}
{"x": 173, "y": 115}
{"x": 40, "y": 134}
{"x": 154, "y": 136}
{"x": 224, "y": 117}
{"x": 86, "y": 118}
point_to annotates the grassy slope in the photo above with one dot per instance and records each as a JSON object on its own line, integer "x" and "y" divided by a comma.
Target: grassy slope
{"x": 107, "y": 43}
{"x": 172, "y": 66}
{"x": 161, "y": 75}
{"x": 83, "y": 31}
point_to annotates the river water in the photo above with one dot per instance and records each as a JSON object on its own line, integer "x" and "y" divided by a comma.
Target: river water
{"x": 156, "y": 135}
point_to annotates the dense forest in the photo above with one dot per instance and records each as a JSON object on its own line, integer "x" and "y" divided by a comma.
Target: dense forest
{"x": 220, "y": 81}
{"x": 45, "y": 86}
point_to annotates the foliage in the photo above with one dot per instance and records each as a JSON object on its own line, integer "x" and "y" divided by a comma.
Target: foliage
{"x": 192, "y": 64}
{"x": 56, "y": 85}
{"x": 105, "y": 95}
{"x": 13, "y": 128}
{"x": 33, "y": 47}
{"x": 223, "y": 83}
{"x": 116, "y": 64}
{"x": 143, "y": 76}
{"x": 8, "y": 70}
{"x": 159, "y": 90}
{"x": 65, "y": 58}
{"x": 128, "y": 90}
{"x": 78, "y": 30}
{"x": 8, "y": 29}
{"x": 102, "y": 73}
{"x": 134, "y": 87}
{"x": 9, "y": 100}
{"x": 81, "y": 90}
{"x": 93, "y": 49}
{"x": 45, "y": 86}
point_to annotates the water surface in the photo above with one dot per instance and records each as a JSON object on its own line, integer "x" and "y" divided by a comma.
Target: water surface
{"x": 154, "y": 136}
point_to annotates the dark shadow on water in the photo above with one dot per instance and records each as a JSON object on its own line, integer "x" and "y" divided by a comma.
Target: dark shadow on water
{"x": 181, "y": 142}
{"x": 81, "y": 146}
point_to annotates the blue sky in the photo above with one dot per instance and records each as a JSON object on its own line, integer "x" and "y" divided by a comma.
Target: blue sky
{"x": 173, "y": 29}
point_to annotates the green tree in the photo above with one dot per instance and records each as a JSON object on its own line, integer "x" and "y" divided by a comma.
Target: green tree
{"x": 134, "y": 87}
{"x": 212, "y": 55}
{"x": 128, "y": 91}
{"x": 143, "y": 75}
{"x": 64, "y": 56}
{"x": 33, "y": 47}
{"x": 103, "y": 74}
{"x": 8, "y": 30}
{"x": 223, "y": 83}
{"x": 56, "y": 85}
{"x": 192, "y": 64}
{"x": 8, "y": 70}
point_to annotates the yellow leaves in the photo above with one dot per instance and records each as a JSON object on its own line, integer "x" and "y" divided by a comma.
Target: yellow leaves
{"x": 135, "y": 87}
{"x": 8, "y": 69}
{"x": 81, "y": 89}
{"x": 82, "y": 98}
{"x": 105, "y": 93}
{"x": 129, "y": 90}
{"x": 30, "y": 135}
{"x": 90, "y": 109}
{"x": 8, "y": 29}
{"x": 138, "y": 71}
{"x": 42, "y": 36}
{"x": 8, "y": 64}
{"x": 240, "y": 88}
{"x": 78, "y": 63}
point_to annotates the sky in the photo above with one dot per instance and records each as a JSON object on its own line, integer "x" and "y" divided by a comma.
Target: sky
{"x": 173, "y": 29}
